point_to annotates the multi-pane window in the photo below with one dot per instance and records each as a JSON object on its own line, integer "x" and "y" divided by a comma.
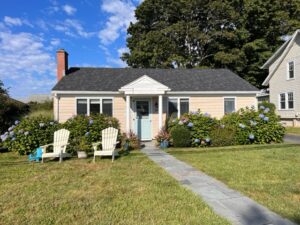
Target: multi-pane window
{"x": 286, "y": 100}
{"x": 291, "y": 70}
{"x": 89, "y": 106}
{"x": 229, "y": 105}
{"x": 282, "y": 101}
{"x": 178, "y": 107}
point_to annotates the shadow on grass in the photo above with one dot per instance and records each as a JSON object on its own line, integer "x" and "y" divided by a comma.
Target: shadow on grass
{"x": 241, "y": 148}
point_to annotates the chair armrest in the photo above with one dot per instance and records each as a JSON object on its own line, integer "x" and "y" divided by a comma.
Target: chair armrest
{"x": 44, "y": 147}
{"x": 95, "y": 145}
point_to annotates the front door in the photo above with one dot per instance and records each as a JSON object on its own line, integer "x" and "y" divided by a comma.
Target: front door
{"x": 143, "y": 120}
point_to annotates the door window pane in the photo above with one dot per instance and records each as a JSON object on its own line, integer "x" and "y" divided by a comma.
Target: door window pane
{"x": 291, "y": 100}
{"x": 81, "y": 106}
{"x": 94, "y": 106}
{"x": 282, "y": 101}
{"x": 229, "y": 105}
{"x": 142, "y": 109}
{"x": 107, "y": 107}
{"x": 184, "y": 106}
{"x": 173, "y": 108}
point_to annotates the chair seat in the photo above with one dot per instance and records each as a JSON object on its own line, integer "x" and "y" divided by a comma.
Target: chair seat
{"x": 54, "y": 155}
{"x": 100, "y": 153}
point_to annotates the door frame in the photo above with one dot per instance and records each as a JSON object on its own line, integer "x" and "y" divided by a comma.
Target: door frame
{"x": 134, "y": 100}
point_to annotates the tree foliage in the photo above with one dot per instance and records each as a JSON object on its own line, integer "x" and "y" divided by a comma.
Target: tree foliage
{"x": 10, "y": 109}
{"x": 235, "y": 34}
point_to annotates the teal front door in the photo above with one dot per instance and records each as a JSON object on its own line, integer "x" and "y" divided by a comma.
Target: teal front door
{"x": 143, "y": 120}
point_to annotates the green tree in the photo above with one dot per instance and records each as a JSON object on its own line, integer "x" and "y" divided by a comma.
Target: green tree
{"x": 235, "y": 34}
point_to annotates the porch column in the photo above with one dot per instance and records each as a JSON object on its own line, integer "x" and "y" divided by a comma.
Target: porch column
{"x": 160, "y": 110}
{"x": 127, "y": 113}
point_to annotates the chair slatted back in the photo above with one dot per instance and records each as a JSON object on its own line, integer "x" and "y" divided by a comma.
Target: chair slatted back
{"x": 61, "y": 138}
{"x": 109, "y": 138}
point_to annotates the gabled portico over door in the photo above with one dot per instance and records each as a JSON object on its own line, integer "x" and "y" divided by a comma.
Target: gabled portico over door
{"x": 139, "y": 91}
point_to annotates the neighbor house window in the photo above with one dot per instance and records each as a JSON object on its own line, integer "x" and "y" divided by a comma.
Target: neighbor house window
{"x": 82, "y": 106}
{"x": 291, "y": 70}
{"x": 89, "y": 106}
{"x": 229, "y": 105}
{"x": 178, "y": 107}
{"x": 286, "y": 100}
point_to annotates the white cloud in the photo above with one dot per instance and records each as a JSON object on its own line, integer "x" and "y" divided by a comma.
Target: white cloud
{"x": 72, "y": 28}
{"x": 10, "y": 21}
{"x": 70, "y": 10}
{"x": 25, "y": 64}
{"x": 122, "y": 13}
{"x": 55, "y": 42}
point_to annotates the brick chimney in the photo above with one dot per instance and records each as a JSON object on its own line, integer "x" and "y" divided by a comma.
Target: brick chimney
{"x": 62, "y": 63}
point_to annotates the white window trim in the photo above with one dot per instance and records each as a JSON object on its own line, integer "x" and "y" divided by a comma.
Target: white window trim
{"x": 288, "y": 70}
{"x": 88, "y": 103}
{"x": 286, "y": 101}
{"x": 235, "y": 102}
{"x": 178, "y": 104}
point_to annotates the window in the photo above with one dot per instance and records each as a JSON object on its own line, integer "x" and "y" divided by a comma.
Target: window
{"x": 282, "y": 101}
{"x": 291, "y": 70}
{"x": 178, "y": 107}
{"x": 89, "y": 106}
{"x": 291, "y": 100}
{"x": 184, "y": 106}
{"x": 286, "y": 100}
{"x": 81, "y": 106}
{"x": 94, "y": 106}
{"x": 107, "y": 107}
{"x": 173, "y": 109}
{"x": 229, "y": 105}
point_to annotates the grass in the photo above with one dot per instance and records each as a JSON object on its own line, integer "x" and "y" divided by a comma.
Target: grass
{"x": 293, "y": 130}
{"x": 41, "y": 112}
{"x": 132, "y": 190}
{"x": 270, "y": 174}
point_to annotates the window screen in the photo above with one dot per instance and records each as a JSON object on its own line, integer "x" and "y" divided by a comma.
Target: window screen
{"x": 94, "y": 106}
{"x": 81, "y": 106}
{"x": 184, "y": 106}
{"x": 229, "y": 105}
{"x": 107, "y": 107}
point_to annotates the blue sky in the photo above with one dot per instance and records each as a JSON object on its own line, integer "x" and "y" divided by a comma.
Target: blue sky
{"x": 92, "y": 31}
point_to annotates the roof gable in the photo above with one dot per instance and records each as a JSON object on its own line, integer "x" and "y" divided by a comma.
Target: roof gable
{"x": 279, "y": 56}
{"x": 144, "y": 85}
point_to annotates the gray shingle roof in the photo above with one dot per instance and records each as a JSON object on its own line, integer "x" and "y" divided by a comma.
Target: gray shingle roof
{"x": 112, "y": 79}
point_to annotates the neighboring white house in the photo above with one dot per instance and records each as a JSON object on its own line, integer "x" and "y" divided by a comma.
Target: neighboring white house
{"x": 284, "y": 80}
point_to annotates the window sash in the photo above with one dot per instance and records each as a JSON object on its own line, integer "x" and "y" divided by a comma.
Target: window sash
{"x": 290, "y": 100}
{"x": 173, "y": 107}
{"x": 107, "y": 107}
{"x": 282, "y": 101}
{"x": 291, "y": 68}
{"x": 81, "y": 105}
{"x": 184, "y": 106}
{"x": 229, "y": 105}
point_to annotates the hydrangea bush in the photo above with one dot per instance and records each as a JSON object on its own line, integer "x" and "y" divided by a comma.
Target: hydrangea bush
{"x": 199, "y": 124}
{"x": 89, "y": 127}
{"x": 246, "y": 126}
{"x": 30, "y": 133}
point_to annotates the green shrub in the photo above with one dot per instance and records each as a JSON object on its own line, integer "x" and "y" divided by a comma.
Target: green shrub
{"x": 181, "y": 136}
{"x": 89, "y": 127}
{"x": 265, "y": 105}
{"x": 199, "y": 124}
{"x": 222, "y": 136}
{"x": 30, "y": 133}
{"x": 259, "y": 127}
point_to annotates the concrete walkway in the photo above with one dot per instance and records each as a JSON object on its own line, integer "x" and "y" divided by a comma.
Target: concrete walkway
{"x": 228, "y": 203}
{"x": 292, "y": 138}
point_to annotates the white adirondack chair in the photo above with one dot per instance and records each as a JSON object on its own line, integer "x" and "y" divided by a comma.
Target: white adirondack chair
{"x": 60, "y": 143}
{"x": 109, "y": 142}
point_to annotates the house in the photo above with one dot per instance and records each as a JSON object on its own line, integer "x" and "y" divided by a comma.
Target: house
{"x": 142, "y": 99}
{"x": 284, "y": 80}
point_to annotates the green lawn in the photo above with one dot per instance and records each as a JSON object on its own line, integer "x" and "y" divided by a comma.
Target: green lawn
{"x": 293, "y": 130}
{"x": 270, "y": 174}
{"x": 132, "y": 190}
